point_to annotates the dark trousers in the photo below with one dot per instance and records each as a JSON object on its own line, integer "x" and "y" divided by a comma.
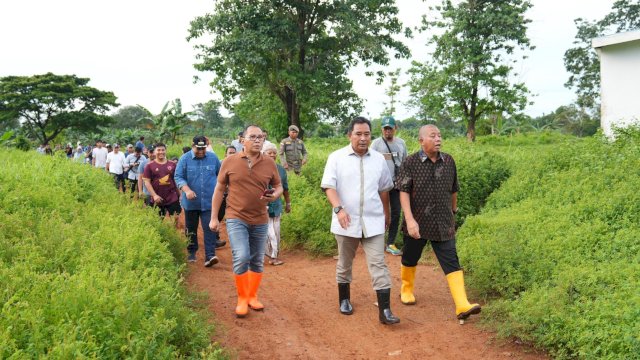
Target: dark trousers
{"x": 133, "y": 184}
{"x": 171, "y": 209}
{"x": 191, "y": 220}
{"x": 118, "y": 179}
{"x": 394, "y": 198}
{"x": 445, "y": 252}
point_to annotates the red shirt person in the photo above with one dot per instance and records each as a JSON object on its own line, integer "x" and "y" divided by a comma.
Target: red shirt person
{"x": 158, "y": 179}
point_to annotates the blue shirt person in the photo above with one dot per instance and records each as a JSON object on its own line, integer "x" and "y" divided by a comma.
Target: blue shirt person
{"x": 196, "y": 175}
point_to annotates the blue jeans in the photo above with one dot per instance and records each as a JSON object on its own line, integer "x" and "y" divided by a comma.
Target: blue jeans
{"x": 191, "y": 219}
{"x": 248, "y": 243}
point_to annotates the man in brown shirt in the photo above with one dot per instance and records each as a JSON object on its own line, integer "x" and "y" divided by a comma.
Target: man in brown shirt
{"x": 247, "y": 176}
{"x": 428, "y": 185}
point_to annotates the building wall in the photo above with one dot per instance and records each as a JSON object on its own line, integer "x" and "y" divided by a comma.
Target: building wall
{"x": 620, "y": 85}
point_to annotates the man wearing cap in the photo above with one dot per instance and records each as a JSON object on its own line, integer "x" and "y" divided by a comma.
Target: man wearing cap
{"x": 293, "y": 154}
{"x": 238, "y": 142}
{"x": 196, "y": 175}
{"x": 115, "y": 166}
{"x": 394, "y": 151}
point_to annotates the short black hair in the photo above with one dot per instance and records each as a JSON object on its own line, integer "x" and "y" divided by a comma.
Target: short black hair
{"x": 229, "y": 147}
{"x": 186, "y": 149}
{"x": 159, "y": 145}
{"x": 359, "y": 120}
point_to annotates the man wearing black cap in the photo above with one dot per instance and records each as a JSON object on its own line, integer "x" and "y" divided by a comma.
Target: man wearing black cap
{"x": 293, "y": 154}
{"x": 196, "y": 175}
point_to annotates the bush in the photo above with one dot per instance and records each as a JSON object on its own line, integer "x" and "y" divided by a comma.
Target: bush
{"x": 86, "y": 273}
{"x": 558, "y": 243}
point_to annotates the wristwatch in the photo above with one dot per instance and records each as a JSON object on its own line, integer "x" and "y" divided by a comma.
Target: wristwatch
{"x": 337, "y": 209}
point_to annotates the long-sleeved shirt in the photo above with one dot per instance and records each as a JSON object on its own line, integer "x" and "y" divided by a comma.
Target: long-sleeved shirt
{"x": 201, "y": 175}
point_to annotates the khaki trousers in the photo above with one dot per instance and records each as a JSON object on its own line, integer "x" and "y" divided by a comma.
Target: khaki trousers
{"x": 374, "y": 250}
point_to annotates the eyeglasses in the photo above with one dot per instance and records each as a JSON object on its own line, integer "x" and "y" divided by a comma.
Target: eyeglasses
{"x": 255, "y": 138}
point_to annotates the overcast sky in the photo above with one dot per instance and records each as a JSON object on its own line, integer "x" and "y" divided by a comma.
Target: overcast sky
{"x": 138, "y": 49}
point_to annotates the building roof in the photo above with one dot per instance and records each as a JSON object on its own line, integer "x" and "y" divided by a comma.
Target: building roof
{"x": 614, "y": 39}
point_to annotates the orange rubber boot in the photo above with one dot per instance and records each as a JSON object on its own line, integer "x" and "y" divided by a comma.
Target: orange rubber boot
{"x": 242, "y": 284}
{"x": 254, "y": 283}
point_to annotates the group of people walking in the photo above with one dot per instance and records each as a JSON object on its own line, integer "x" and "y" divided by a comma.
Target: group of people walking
{"x": 368, "y": 185}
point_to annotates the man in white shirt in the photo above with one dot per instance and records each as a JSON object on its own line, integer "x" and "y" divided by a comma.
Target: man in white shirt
{"x": 115, "y": 166}
{"x": 356, "y": 181}
{"x": 132, "y": 162}
{"x": 99, "y": 155}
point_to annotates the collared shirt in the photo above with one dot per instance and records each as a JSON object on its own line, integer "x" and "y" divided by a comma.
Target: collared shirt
{"x": 358, "y": 181}
{"x": 246, "y": 180}
{"x": 292, "y": 151}
{"x": 116, "y": 162}
{"x": 201, "y": 174}
{"x": 431, "y": 186}
{"x": 131, "y": 159}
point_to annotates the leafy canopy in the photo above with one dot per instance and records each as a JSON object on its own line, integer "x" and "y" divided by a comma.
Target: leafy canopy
{"x": 49, "y": 104}
{"x": 299, "y": 51}
{"x": 470, "y": 73}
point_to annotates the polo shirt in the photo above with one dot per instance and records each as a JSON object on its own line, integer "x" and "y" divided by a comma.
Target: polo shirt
{"x": 246, "y": 181}
{"x": 359, "y": 180}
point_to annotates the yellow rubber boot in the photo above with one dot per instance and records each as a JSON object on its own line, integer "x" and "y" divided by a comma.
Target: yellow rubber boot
{"x": 242, "y": 285}
{"x": 254, "y": 283}
{"x": 456, "y": 285}
{"x": 408, "y": 277}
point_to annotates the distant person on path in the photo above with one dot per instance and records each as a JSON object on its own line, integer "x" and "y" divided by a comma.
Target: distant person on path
{"x": 131, "y": 164}
{"x": 293, "y": 154}
{"x": 356, "y": 181}
{"x": 196, "y": 175}
{"x": 266, "y": 140}
{"x": 237, "y": 143}
{"x": 248, "y": 176}
{"x": 394, "y": 151}
{"x": 143, "y": 193}
{"x": 158, "y": 179}
{"x": 140, "y": 143}
{"x": 275, "y": 209}
{"x": 428, "y": 184}
{"x": 99, "y": 155}
{"x": 222, "y": 232}
{"x": 116, "y": 166}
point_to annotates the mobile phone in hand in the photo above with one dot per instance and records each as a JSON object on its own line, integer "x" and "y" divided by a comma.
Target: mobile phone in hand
{"x": 268, "y": 192}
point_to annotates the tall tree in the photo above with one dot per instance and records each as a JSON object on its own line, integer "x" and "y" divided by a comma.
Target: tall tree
{"x": 392, "y": 91}
{"x": 470, "y": 72}
{"x": 48, "y": 104}
{"x": 207, "y": 115}
{"x": 130, "y": 117}
{"x": 582, "y": 61}
{"x": 299, "y": 50}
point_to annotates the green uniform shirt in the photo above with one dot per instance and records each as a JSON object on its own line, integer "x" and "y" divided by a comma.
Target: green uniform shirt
{"x": 292, "y": 152}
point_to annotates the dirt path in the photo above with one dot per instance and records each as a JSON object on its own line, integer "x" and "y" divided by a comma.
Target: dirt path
{"x": 301, "y": 318}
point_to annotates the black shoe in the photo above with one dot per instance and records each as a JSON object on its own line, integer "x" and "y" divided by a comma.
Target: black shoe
{"x": 212, "y": 261}
{"x": 344, "y": 294}
{"x": 384, "y": 307}
{"x": 220, "y": 243}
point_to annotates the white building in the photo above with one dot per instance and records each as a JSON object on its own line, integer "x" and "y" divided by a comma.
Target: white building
{"x": 619, "y": 79}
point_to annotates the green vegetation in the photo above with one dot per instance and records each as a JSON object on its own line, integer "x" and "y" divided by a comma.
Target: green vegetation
{"x": 556, "y": 249}
{"x": 549, "y": 235}
{"x": 85, "y": 273}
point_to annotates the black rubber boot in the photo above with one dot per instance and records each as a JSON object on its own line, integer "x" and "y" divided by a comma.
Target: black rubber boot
{"x": 384, "y": 307}
{"x": 345, "y": 295}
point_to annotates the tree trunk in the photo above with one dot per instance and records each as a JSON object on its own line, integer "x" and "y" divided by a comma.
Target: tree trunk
{"x": 471, "y": 130}
{"x": 293, "y": 108}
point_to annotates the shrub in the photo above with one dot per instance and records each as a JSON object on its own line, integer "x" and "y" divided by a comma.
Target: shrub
{"x": 558, "y": 244}
{"x": 86, "y": 273}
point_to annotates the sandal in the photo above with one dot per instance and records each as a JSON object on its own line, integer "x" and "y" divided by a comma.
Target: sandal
{"x": 276, "y": 262}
